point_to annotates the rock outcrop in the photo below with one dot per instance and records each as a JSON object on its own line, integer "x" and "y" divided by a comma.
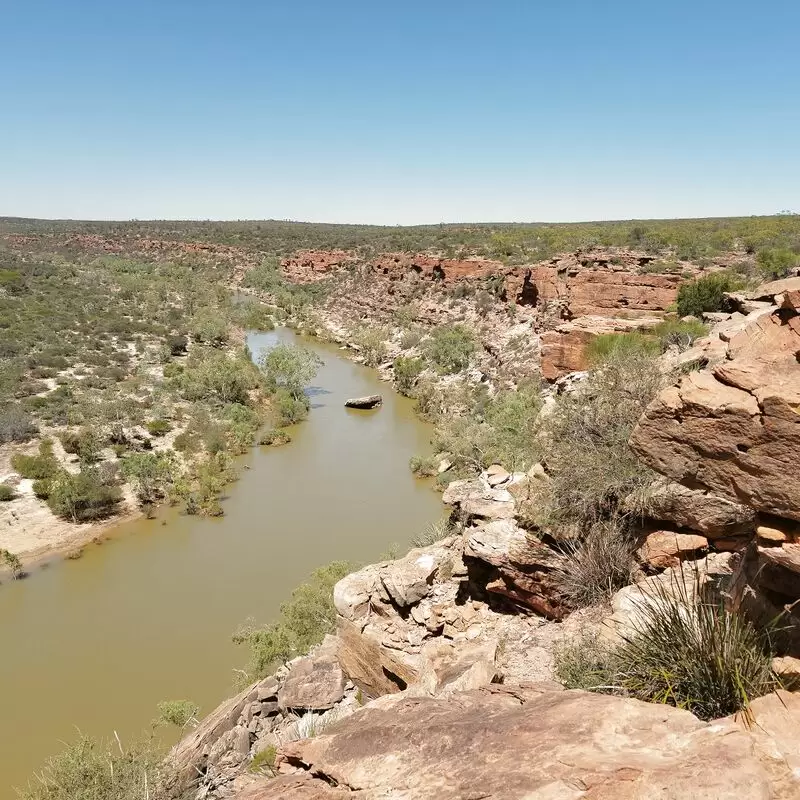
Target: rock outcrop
{"x": 734, "y": 430}
{"x": 533, "y": 741}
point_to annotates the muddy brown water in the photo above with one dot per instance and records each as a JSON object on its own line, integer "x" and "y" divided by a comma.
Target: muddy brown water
{"x": 93, "y": 645}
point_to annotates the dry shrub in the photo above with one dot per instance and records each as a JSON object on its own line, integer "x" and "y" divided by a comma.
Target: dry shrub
{"x": 584, "y": 442}
{"x": 595, "y": 567}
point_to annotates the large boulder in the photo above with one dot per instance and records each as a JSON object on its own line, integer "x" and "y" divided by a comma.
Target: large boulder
{"x": 315, "y": 682}
{"x": 523, "y": 566}
{"x": 531, "y": 743}
{"x": 698, "y": 510}
{"x": 735, "y": 430}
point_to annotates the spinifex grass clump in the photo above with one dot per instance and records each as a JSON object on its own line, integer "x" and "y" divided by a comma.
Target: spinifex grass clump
{"x": 688, "y": 651}
{"x": 593, "y": 568}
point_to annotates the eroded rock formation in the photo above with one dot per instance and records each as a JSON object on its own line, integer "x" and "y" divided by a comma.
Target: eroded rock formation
{"x": 533, "y": 741}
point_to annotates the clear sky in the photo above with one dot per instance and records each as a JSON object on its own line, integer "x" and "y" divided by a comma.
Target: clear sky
{"x": 399, "y": 112}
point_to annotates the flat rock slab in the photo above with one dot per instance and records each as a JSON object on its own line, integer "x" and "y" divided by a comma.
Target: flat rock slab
{"x": 528, "y": 743}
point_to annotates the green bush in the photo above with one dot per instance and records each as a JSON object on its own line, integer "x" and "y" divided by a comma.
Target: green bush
{"x": 264, "y": 760}
{"x": 274, "y": 438}
{"x": 180, "y": 713}
{"x": 689, "y": 651}
{"x": 159, "y": 427}
{"x": 406, "y": 372}
{"x": 775, "y": 263}
{"x": 584, "y": 662}
{"x": 596, "y": 565}
{"x": 450, "y": 348}
{"x": 209, "y": 327}
{"x": 606, "y": 345}
{"x": 87, "y": 770}
{"x": 43, "y": 465}
{"x": 150, "y": 474}
{"x": 86, "y": 444}
{"x": 289, "y": 408}
{"x": 304, "y": 621}
{"x": 706, "y": 293}
{"x": 217, "y": 377}
{"x": 679, "y": 333}
{"x": 6, "y": 493}
{"x": 83, "y": 497}
{"x": 289, "y": 367}
{"x": 41, "y": 488}
{"x": 12, "y": 563}
{"x": 423, "y": 466}
{"x": 371, "y": 344}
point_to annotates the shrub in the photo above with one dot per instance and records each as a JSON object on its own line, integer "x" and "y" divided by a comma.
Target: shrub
{"x": 406, "y": 372}
{"x": 150, "y": 474}
{"x": 433, "y": 533}
{"x": 43, "y": 465}
{"x": 679, "y": 333}
{"x": 688, "y": 651}
{"x": 209, "y": 327}
{"x": 775, "y": 263}
{"x": 16, "y": 425}
{"x": 177, "y": 345}
{"x": 180, "y": 713}
{"x": 82, "y": 497}
{"x": 274, "y": 438}
{"x": 41, "y": 488}
{"x": 450, "y": 348}
{"x": 290, "y": 408}
{"x": 371, "y": 344}
{"x": 159, "y": 427}
{"x": 289, "y": 367}
{"x": 264, "y": 760}
{"x": 606, "y": 345}
{"x": 304, "y": 621}
{"x": 423, "y": 466}
{"x": 12, "y": 563}
{"x": 6, "y": 493}
{"x": 216, "y": 376}
{"x": 584, "y": 662}
{"x": 410, "y": 339}
{"x": 87, "y": 770}
{"x": 706, "y": 293}
{"x": 584, "y": 442}
{"x": 86, "y": 444}
{"x": 512, "y": 417}
{"x": 596, "y": 566}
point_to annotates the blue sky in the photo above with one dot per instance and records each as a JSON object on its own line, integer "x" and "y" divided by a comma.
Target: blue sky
{"x": 397, "y": 113}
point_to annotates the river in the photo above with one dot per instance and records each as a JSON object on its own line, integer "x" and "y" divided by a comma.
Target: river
{"x": 94, "y": 644}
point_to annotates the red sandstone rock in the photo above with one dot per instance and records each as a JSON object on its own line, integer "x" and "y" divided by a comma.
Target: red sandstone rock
{"x": 735, "y": 430}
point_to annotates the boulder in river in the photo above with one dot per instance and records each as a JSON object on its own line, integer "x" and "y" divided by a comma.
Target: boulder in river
{"x": 370, "y": 401}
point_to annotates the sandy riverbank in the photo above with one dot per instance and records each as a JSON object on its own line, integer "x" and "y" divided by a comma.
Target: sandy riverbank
{"x": 32, "y": 532}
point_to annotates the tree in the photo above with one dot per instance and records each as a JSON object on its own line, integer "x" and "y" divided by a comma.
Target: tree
{"x": 289, "y": 367}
